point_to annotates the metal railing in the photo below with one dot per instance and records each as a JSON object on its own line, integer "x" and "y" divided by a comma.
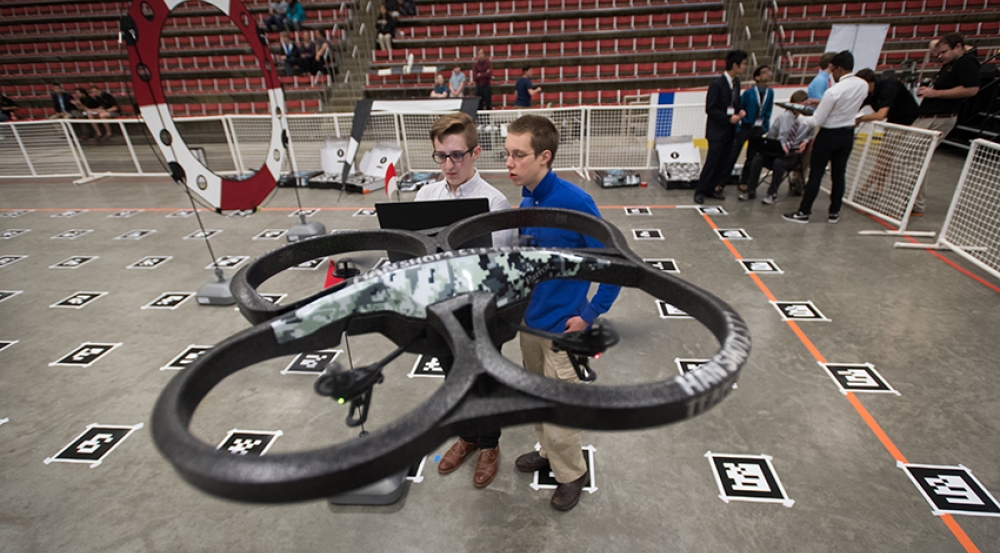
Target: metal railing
{"x": 595, "y": 137}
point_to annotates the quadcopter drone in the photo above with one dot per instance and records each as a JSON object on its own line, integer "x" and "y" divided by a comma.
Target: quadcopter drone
{"x": 463, "y": 304}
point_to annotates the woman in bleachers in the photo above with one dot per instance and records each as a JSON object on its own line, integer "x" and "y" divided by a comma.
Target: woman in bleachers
{"x": 385, "y": 28}
{"x": 440, "y": 87}
{"x": 322, "y": 57}
{"x": 296, "y": 15}
{"x": 308, "y": 50}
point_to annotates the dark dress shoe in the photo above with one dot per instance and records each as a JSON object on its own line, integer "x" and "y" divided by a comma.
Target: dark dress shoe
{"x": 567, "y": 495}
{"x": 454, "y": 457}
{"x": 531, "y": 462}
{"x": 718, "y": 195}
{"x": 699, "y": 198}
{"x": 486, "y": 468}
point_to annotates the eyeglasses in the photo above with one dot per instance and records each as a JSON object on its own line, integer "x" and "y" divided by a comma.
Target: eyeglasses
{"x": 518, "y": 156}
{"x": 455, "y": 157}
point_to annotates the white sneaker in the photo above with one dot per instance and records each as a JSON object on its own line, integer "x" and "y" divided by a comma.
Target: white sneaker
{"x": 770, "y": 199}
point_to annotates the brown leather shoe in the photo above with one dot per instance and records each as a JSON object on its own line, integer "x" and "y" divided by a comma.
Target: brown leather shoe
{"x": 530, "y": 462}
{"x": 453, "y": 459}
{"x": 567, "y": 495}
{"x": 486, "y": 468}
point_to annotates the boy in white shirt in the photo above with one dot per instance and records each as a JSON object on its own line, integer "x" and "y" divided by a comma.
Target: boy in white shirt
{"x": 456, "y": 149}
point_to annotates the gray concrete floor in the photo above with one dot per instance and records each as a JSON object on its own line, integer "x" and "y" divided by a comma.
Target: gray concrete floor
{"x": 928, "y": 329}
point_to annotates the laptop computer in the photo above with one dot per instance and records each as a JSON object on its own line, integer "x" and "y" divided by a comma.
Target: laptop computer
{"x": 771, "y": 147}
{"x": 431, "y": 217}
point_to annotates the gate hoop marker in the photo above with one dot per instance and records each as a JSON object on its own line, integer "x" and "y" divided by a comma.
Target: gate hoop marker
{"x": 147, "y": 18}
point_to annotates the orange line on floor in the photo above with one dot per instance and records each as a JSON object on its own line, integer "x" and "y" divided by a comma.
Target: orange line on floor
{"x": 763, "y": 288}
{"x": 949, "y": 521}
{"x": 963, "y": 538}
{"x": 806, "y": 341}
{"x": 732, "y": 249}
{"x": 951, "y": 263}
{"x": 870, "y": 421}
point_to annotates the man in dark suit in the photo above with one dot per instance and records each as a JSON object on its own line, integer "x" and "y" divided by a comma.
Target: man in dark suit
{"x": 722, "y": 104}
{"x": 62, "y": 102}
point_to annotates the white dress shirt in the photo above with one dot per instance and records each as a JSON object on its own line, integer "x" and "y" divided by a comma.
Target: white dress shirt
{"x": 840, "y": 104}
{"x": 475, "y": 188}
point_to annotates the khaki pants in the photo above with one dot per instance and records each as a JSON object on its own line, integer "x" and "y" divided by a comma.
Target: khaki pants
{"x": 560, "y": 445}
{"x": 943, "y": 124}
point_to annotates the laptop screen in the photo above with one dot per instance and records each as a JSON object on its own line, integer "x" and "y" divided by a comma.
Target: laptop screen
{"x": 431, "y": 216}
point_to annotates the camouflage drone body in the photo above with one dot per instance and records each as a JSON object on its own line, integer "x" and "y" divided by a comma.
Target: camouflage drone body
{"x": 409, "y": 287}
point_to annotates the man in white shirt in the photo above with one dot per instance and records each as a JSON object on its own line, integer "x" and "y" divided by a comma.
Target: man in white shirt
{"x": 456, "y": 149}
{"x": 835, "y": 118}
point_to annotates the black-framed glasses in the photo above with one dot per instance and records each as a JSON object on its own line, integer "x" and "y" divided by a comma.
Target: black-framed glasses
{"x": 455, "y": 157}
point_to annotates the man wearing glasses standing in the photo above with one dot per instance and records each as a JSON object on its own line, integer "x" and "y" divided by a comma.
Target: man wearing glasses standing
{"x": 556, "y": 306}
{"x": 456, "y": 149}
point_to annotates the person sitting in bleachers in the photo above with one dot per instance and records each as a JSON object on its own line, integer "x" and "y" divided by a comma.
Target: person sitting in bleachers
{"x": 107, "y": 108}
{"x": 308, "y": 51}
{"x": 440, "y": 87}
{"x": 295, "y": 16}
{"x": 290, "y": 55}
{"x": 276, "y": 11}
{"x": 324, "y": 61}
{"x": 793, "y": 139}
{"x": 7, "y": 109}
{"x": 393, "y": 7}
{"x": 385, "y": 29}
{"x": 62, "y": 102}
{"x": 86, "y": 106}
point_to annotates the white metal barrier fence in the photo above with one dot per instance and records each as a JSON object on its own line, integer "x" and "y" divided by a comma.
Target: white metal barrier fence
{"x": 613, "y": 137}
{"x": 887, "y": 166}
{"x": 972, "y": 226}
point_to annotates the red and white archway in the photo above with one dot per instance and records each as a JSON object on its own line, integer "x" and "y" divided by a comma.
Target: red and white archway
{"x": 222, "y": 193}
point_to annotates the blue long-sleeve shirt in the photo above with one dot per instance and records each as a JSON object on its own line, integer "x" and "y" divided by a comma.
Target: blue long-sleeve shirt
{"x": 750, "y": 102}
{"x": 555, "y": 301}
{"x": 819, "y": 85}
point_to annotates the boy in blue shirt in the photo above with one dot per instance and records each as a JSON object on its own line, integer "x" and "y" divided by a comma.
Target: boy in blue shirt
{"x": 525, "y": 92}
{"x": 556, "y": 306}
